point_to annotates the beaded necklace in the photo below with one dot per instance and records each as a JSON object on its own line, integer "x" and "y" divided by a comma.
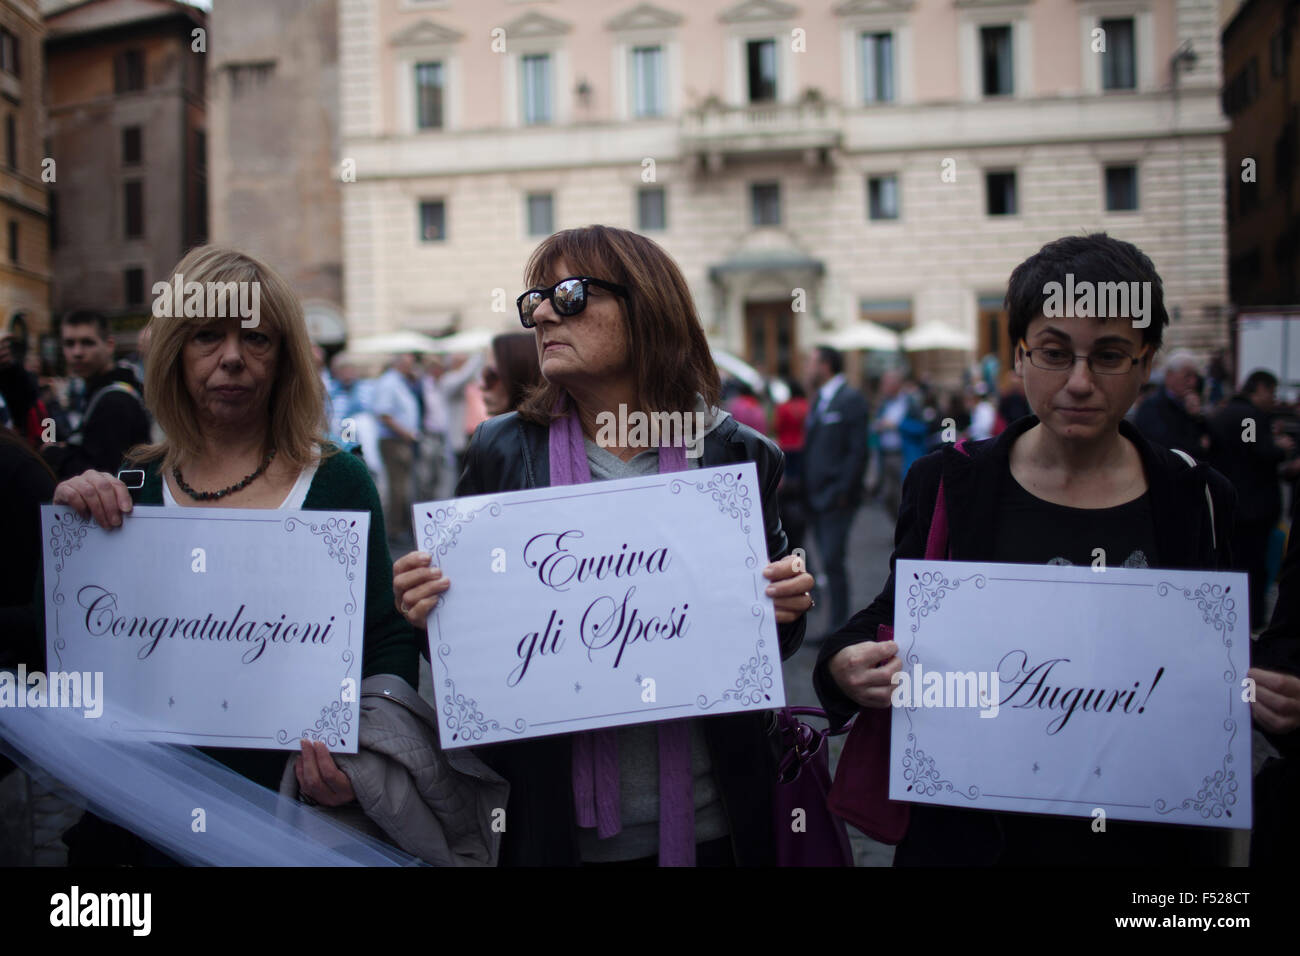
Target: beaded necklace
{"x": 214, "y": 495}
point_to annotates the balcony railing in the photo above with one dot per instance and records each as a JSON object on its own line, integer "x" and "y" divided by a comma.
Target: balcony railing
{"x": 762, "y": 129}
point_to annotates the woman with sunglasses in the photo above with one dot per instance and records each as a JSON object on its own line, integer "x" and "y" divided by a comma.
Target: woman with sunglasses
{"x": 510, "y": 372}
{"x": 1054, "y": 486}
{"x": 610, "y": 312}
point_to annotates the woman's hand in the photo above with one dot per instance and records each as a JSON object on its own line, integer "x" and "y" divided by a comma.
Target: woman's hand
{"x": 864, "y": 672}
{"x": 95, "y": 494}
{"x": 789, "y": 588}
{"x": 1276, "y": 707}
{"x": 319, "y": 777}
{"x": 416, "y": 587}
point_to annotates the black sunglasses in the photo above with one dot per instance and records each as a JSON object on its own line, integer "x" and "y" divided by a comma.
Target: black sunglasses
{"x": 568, "y": 297}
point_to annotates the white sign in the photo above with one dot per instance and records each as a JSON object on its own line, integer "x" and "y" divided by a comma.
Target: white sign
{"x": 597, "y": 605}
{"x": 1116, "y": 689}
{"x": 215, "y": 626}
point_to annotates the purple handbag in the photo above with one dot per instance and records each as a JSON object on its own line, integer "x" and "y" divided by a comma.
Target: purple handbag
{"x": 815, "y": 837}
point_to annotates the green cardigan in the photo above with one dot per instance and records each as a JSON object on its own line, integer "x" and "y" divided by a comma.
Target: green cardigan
{"x": 389, "y": 646}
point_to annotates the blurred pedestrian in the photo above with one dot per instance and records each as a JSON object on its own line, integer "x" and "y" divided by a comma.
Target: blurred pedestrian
{"x": 835, "y": 458}
{"x": 399, "y": 417}
{"x": 510, "y": 372}
{"x": 1248, "y": 454}
{"x": 114, "y": 419}
{"x": 1171, "y": 416}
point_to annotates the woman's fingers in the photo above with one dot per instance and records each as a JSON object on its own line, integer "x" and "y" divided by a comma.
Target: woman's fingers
{"x": 336, "y": 787}
{"x": 97, "y": 495}
{"x": 410, "y": 561}
{"x": 799, "y": 584}
{"x": 864, "y": 671}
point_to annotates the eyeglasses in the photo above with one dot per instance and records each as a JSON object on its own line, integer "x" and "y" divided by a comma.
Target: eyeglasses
{"x": 1105, "y": 361}
{"x": 568, "y": 297}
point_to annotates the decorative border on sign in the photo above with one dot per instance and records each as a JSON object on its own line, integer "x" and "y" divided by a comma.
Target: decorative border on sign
{"x": 919, "y": 768}
{"x": 335, "y": 718}
{"x": 1218, "y": 788}
{"x": 66, "y": 536}
{"x": 343, "y": 543}
{"x": 732, "y": 498}
{"x": 464, "y": 719}
{"x": 1218, "y": 791}
{"x": 446, "y": 524}
{"x": 753, "y": 682}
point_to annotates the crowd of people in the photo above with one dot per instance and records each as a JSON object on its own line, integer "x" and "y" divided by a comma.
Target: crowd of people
{"x": 222, "y": 415}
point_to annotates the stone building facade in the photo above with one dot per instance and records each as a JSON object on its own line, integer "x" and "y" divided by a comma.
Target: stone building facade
{"x": 891, "y": 159}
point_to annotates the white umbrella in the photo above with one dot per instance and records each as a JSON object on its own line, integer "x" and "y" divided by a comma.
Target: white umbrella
{"x": 936, "y": 335}
{"x": 864, "y": 335}
{"x": 394, "y": 343}
{"x": 470, "y": 340}
{"x": 738, "y": 368}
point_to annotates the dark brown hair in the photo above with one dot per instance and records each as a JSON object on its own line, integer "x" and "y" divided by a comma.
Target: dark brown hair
{"x": 671, "y": 361}
{"x": 516, "y": 355}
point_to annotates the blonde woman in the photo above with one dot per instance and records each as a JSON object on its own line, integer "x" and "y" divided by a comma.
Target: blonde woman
{"x": 242, "y": 409}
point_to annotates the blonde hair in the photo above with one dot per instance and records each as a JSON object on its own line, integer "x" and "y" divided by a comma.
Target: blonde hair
{"x": 297, "y": 405}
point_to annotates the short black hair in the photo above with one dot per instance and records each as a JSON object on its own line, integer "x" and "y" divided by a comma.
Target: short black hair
{"x": 1094, "y": 258}
{"x": 1255, "y": 379}
{"x": 832, "y": 357}
{"x": 87, "y": 317}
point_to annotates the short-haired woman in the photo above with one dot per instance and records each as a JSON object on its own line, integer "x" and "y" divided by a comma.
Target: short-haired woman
{"x": 1055, "y": 485}
{"x": 611, "y": 312}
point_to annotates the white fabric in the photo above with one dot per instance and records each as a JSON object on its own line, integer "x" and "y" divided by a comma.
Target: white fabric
{"x": 155, "y": 789}
{"x": 293, "y": 501}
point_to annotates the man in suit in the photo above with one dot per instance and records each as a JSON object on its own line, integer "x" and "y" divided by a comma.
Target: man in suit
{"x": 1171, "y": 416}
{"x": 835, "y": 457}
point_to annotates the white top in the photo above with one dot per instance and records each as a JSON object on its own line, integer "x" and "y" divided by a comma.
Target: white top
{"x": 292, "y": 502}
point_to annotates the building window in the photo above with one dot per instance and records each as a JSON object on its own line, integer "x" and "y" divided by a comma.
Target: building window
{"x": 1000, "y": 189}
{"x": 1277, "y": 53}
{"x": 1121, "y": 188}
{"x": 765, "y": 204}
{"x": 54, "y": 220}
{"x": 132, "y": 145}
{"x": 133, "y": 286}
{"x": 201, "y": 152}
{"x": 647, "y": 81}
{"x": 760, "y": 58}
{"x": 133, "y": 204}
{"x": 535, "y": 71}
{"x": 428, "y": 95}
{"x": 540, "y": 213}
{"x": 996, "y": 61}
{"x": 877, "y": 67}
{"x": 651, "y": 209}
{"x": 13, "y": 241}
{"x": 11, "y": 142}
{"x": 9, "y": 47}
{"x": 882, "y": 197}
{"x": 1119, "y": 62}
{"x": 129, "y": 71}
{"x": 1284, "y": 152}
{"x": 433, "y": 220}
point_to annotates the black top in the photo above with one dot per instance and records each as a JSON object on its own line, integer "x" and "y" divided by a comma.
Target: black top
{"x": 1033, "y": 531}
{"x": 117, "y": 423}
{"x": 25, "y": 484}
{"x": 1030, "y": 530}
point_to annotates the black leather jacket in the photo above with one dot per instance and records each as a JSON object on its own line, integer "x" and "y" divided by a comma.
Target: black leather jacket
{"x": 508, "y": 453}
